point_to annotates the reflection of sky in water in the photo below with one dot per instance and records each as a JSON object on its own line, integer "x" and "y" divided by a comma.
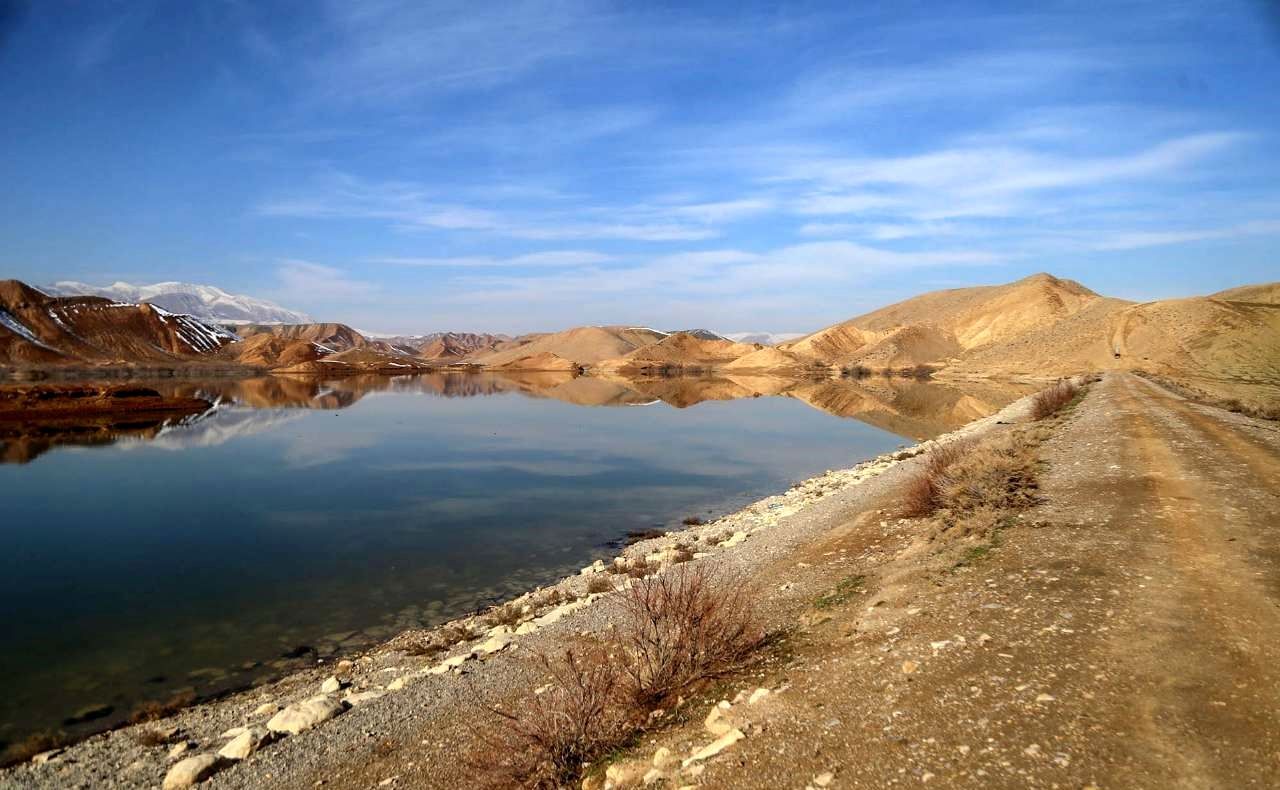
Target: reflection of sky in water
{"x": 251, "y": 531}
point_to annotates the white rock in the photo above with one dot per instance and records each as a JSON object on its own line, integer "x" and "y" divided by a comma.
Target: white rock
{"x": 662, "y": 757}
{"x": 179, "y": 749}
{"x": 44, "y": 757}
{"x": 714, "y": 748}
{"x": 192, "y": 770}
{"x": 757, "y": 695}
{"x": 302, "y": 716}
{"x": 246, "y": 743}
{"x": 719, "y": 721}
{"x": 233, "y": 732}
{"x": 398, "y": 683}
{"x": 824, "y": 779}
{"x": 360, "y": 697}
{"x": 266, "y": 709}
{"x": 330, "y": 685}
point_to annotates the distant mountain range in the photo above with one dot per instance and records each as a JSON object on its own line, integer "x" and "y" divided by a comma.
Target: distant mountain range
{"x": 204, "y": 302}
{"x": 1038, "y": 326}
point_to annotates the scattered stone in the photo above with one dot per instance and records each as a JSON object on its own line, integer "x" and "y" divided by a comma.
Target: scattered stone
{"x": 714, "y": 748}
{"x": 757, "y": 695}
{"x": 233, "y": 732}
{"x": 246, "y": 743}
{"x": 330, "y": 685}
{"x": 718, "y": 721}
{"x": 266, "y": 709}
{"x": 1045, "y": 698}
{"x": 984, "y": 638}
{"x": 824, "y": 779}
{"x": 360, "y": 697}
{"x": 345, "y": 665}
{"x": 621, "y": 775}
{"x": 399, "y": 683}
{"x": 653, "y": 776}
{"x": 910, "y": 667}
{"x": 44, "y": 757}
{"x": 192, "y": 770}
{"x": 180, "y": 749}
{"x": 302, "y": 716}
{"x": 662, "y": 758}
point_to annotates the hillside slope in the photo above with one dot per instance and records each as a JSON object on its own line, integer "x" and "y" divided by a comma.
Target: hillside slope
{"x": 583, "y": 345}
{"x": 205, "y": 302}
{"x": 37, "y": 329}
{"x": 941, "y": 325}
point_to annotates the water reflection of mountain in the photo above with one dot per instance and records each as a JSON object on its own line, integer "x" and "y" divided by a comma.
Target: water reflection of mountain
{"x": 906, "y": 407}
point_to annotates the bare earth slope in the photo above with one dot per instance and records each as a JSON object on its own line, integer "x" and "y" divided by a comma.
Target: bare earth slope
{"x": 1266, "y": 293}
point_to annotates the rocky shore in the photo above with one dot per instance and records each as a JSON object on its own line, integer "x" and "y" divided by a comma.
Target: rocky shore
{"x": 277, "y": 734}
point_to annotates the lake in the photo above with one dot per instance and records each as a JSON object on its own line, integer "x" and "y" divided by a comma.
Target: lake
{"x": 300, "y": 519}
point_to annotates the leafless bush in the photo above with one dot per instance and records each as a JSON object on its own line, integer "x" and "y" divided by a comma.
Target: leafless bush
{"x": 599, "y": 583}
{"x": 1050, "y": 401}
{"x": 585, "y": 712}
{"x": 508, "y": 614}
{"x": 692, "y": 521}
{"x": 922, "y": 495}
{"x": 688, "y": 624}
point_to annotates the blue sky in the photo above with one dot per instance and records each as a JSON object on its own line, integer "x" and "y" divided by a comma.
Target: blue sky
{"x": 409, "y": 166}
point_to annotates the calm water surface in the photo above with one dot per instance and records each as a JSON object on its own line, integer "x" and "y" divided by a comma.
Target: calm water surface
{"x": 260, "y": 536}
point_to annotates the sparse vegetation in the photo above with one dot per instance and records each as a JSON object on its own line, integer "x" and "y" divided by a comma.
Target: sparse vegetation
{"x": 509, "y": 614}
{"x": 692, "y": 521}
{"x": 679, "y": 630}
{"x": 920, "y": 372}
{"x": 855, "y": 371}
{"x": 683, "y": 626}
{"x": 1052, "y": 400}
{"x": 34, "y": 744}
{"x": 154, "y": 710}
{"x": 1260, "y": 411}
{"x": 599, "y": 583}
{"x": 924, "y": 492}
{"x": 150, "y": 737}
{"x": 845, "y": 589}
{"x": 636, "y": 535}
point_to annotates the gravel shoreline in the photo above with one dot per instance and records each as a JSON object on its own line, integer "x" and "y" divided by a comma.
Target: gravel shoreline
{"x": 388, "y": 698}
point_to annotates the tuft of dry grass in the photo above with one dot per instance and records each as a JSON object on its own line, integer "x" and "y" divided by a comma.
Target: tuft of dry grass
{"x": 1050, "y": 401}
{"x": 599, "y": 583}
{"x": 636, "y": 535}
{"x": 149, "y": 737}
{"x": 924, "y": 493}
{"x": 154, "y": 710}
{"x": 692, "y": 521}
{"x": 509, "y": 614}
{"x": 32, "y": 745}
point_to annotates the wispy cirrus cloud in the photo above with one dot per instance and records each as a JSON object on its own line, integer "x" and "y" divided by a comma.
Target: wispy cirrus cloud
{"x": 550, "y": 258}
{"x": 308, "y": 281}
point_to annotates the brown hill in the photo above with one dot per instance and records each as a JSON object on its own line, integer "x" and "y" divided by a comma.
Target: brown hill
{"x": 680, "y": 351}
{"x": 940, "y": 325}
{"x": 584, "y": 345}
{"x": 333, "y": 337}
{"x": 1264, "y": 293}
{"x": 38, "y": 329}
{"x": 451, "y": 346}
{"x": 542, "y": 361}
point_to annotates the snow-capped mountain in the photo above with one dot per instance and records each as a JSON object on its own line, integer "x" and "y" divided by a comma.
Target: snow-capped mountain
{"x": 204, "y": 302}
{"x": 763, "y": 338}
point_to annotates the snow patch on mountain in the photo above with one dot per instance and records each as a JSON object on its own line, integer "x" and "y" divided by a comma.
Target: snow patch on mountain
{"x": 763, "y": 338}
{"x": 204, "y": 302}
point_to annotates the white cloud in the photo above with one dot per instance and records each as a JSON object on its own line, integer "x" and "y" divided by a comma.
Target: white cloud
{"x": 725, "y": 210}
{"x": 533, "y": 259}
{"x": 307, "y": 281}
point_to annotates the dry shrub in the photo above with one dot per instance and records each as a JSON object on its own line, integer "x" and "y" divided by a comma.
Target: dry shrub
{"x": 154, "y": 710}
{"x": 679, "y": 628}
{"x": 682, "y": 552}
{"x": 149, "y": 737}
{"x": 683, "y": 626}
{"x": 922, "y": 495}
{"x": 508, "y": 614}
{"x": 855, "y": 371}
{"x": 585, "y": 713}
{"x": 599, "y": 583}
{"x": 636, "y": 535}
{"x": 32, "y": 745}
{"x": 693, "y": 521}
{"x": 1050, "y": 401}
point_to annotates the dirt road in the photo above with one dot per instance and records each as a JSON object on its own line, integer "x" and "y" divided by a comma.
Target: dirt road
{"x": 1126, "y": 634}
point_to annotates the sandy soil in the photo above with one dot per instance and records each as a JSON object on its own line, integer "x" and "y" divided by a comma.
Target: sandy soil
{"x": 1123, "y": 634}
